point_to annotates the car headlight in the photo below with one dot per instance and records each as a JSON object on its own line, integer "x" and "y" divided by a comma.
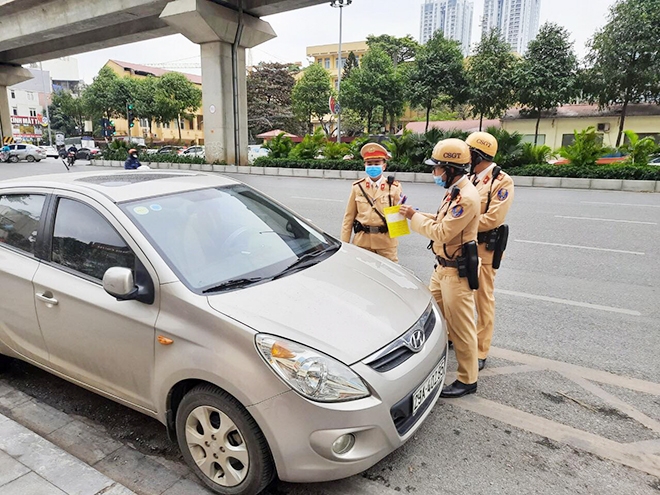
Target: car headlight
{"x": 311, "y": 373}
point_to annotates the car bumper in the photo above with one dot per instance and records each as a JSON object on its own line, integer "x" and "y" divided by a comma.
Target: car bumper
{"x": 301, "y": 433}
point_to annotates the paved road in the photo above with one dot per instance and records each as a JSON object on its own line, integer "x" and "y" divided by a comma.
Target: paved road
{"x": 570, "y": 402}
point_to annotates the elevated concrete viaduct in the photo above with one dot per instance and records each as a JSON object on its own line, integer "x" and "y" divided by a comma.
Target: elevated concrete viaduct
{"x": 37, "y": 30}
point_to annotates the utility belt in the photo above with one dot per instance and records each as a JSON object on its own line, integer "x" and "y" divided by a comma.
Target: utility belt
{"x": 369, "y": 229}
{"x": 467, "y": 264}
{"x": 496, "y": 241}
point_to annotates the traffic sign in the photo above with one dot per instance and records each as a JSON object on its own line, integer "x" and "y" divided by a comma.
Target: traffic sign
{"x": 334, "y": 105}
{"x": 59, "y": 139}
{"x": 44, "y": 120}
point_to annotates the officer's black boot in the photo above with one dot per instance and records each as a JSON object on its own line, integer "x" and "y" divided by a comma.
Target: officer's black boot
{"x": 458, "y": 389}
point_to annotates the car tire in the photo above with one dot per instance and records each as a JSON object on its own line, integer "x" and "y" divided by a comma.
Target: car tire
{"x": 5, "y": 361}
{"x": 250, "y": 470}
{"x": 37, "y": 160}
{"x": 13, "y": 159}
{"x": 29, "y": 158}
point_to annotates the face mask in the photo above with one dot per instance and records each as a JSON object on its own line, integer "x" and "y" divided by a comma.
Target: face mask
{"x": 373, "y": 171}
{"x": 440, "y": 181}
{"x": 134, "y": 155}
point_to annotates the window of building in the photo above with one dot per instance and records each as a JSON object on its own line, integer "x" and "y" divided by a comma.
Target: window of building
{"x": 30, "y": 96}
{"x": 327, "y": 63}
{"x": 569, "y": 139}
{"x": 529, "y": 138}
{"x": 33, "y": 112}
{"x": 182, "y": 124}
{"x": 85, "y": 242}
{"x": 13, "y": 94}
{"x": 19, "y": 220}
{"x": 144, "y": 123}
{"x": 166, "y": 125}
{"x": 14, "y": 111}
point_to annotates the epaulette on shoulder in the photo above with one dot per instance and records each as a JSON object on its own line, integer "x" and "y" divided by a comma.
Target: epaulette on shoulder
{"x": 396, "y": 183}
{"x": 358, "y": 181}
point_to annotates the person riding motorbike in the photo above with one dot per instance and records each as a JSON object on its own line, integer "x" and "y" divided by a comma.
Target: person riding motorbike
{"x": 71, "y": 154}
{"x": 132, "y": 162}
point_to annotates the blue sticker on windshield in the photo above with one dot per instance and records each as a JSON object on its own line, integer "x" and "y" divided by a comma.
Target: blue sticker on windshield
{"x": 156, "y": 207}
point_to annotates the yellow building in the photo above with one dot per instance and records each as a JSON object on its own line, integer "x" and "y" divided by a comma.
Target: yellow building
{"x": 557, "y": 127}
{"x": 192, "y": 130}
{"x": 327, "y": 55}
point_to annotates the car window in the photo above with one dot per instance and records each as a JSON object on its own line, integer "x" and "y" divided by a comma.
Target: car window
{"x": 21, "y": 147}
{"x": 213, "y": 235}
{"x": 19, "y": 220}
{"x": 84, "y": 241}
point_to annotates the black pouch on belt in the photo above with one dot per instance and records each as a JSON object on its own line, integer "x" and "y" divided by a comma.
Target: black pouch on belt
{"x": 357, "y": 226}
{"x": 500, "y": 247}
{"x": 471, "y": 256}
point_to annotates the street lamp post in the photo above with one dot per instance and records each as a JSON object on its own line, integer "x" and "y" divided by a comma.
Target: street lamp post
{"x": 339, "y": 4}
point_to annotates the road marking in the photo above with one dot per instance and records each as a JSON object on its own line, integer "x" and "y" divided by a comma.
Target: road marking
{"x": 318, "y": 199}
{"x": 568, "y": 302}
{"x": 617, "y": 204}
{"x": 586, "y": 373}
{"x": 606, "y": 220}
{"x": 508, "y": 370}
{"x": 581, "y": 247}
{"x": 615, "y": 402}
{"x": 558, "y": 432}
{"x": 645, "y": 446}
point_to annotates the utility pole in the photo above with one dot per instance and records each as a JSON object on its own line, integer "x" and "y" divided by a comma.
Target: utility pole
{"x": 339, "y": 4}
{"x": 50, "y": 134}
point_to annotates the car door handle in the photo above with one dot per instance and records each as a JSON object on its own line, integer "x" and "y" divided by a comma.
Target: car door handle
{"x": 48, "y": 298}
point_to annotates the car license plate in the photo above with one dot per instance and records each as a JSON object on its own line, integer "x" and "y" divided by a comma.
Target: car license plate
{"x": 429, "y": 385}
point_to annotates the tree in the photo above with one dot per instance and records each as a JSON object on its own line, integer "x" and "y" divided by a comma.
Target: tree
{"x": 547, "y": 75}
{"x": 311, "y": 94}
{"x": 586, "y": 149}
{"x": 638, "y": 150}
{"x": 175, "y": 97}
{"x": 67, "y": 113}
{"x": 398, "y": 49}
{"x": 143, "y": 97}
{"x": 269, "y": 88}
{"x": 374, "y": 86}
{"x": 100, "y": 97}
{"x": 624, "y": 61}
{"x": 351, "y": 63}
{"x": 490, "y": 77}
{"x": 437, "y": 75}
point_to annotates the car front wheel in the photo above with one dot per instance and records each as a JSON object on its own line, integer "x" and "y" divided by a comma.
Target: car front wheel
{"x": 222, "y": 443}
{"x": 13, "y": 159}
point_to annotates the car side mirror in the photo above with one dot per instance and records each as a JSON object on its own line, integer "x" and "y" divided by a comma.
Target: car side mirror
{"x": 118, "y": 282}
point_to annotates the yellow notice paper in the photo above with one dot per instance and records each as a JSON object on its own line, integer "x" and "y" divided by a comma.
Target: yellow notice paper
{"x": 396, "y": 222}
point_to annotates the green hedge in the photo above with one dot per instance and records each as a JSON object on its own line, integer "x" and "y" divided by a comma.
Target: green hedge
{"x": 121, "y": 155}
{"x": 265, "y": 161}
{"x": 614, "y": 171}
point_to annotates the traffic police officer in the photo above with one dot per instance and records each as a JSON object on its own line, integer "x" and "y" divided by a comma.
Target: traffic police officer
{"x": 495, "y": 188}
{"x": 452, "y": 228}
{"x": 369, "y": 197}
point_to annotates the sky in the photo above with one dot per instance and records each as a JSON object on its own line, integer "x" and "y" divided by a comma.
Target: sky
{"x": 319, "y": 25}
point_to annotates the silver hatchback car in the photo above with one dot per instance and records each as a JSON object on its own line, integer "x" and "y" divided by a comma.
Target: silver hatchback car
{"x": 28, "y": 152}
{"x": 264, "y": 345}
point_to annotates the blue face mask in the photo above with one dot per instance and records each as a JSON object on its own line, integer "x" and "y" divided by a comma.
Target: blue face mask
{"x": 440, "y": 181}
{"x": 374, "y": 171}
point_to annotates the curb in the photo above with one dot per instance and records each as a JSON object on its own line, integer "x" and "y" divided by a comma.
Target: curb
{"x": 545, "y": 182}
{"x": 35, "y": 464}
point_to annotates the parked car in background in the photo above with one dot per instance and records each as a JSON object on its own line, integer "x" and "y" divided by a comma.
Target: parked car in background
{"x": 88, "y": 153}
{"x": 264, "y": 345}
{"x": 28, "y": 152}
{"x": 197, "y": 151}
{"x": 655, "y": 160}
{"x": 174, "y": 150}
{"x": 255, "y": 151}
{"x": 51, "y": 151}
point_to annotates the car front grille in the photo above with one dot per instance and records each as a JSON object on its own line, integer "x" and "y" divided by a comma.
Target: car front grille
{"x": 399, "y": 352}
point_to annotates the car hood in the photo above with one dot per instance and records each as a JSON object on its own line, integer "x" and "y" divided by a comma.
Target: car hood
{"x": 347, "y": 306}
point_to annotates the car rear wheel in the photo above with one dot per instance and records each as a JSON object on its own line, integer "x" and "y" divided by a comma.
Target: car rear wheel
{"x": 13, "y": 159}
{"x": 30, "y": 158}
{"x": 222, "y": 443}
{"x": 37, "y": 160}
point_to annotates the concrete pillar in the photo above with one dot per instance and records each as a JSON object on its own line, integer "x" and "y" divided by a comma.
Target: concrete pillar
{"x": 215, "y": 29}
{"x": 9, "y": 75}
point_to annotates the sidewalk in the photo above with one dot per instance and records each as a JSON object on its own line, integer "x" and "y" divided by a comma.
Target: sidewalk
{"x": 29, "y": 464}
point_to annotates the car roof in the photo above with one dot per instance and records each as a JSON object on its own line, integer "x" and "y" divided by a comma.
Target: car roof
{"x": 124, "y": 185}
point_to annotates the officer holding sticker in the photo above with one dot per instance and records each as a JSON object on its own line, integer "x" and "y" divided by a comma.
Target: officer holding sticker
{"x": 369, "y": 197}
{"x": 453, "y": 234}
{"x": 495, "y": 188}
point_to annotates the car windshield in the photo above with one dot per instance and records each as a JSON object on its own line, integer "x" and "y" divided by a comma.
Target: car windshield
{"x": 227, "y": 237}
